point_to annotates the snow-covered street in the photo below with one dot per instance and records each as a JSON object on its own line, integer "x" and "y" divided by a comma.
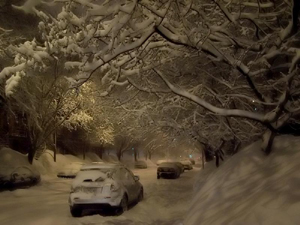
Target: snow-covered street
{"x": 166, "y": 202}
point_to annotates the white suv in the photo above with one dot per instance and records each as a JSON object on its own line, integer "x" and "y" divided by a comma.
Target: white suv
{"x": 101, "y": 185}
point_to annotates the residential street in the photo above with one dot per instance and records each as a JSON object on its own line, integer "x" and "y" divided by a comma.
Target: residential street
{"x": 166, "y": 201}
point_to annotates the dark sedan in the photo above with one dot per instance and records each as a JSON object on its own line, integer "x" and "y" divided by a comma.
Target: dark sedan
{"x": 169, "y": 170}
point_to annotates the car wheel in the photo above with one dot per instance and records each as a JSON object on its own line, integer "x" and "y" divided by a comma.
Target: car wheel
{"x": 141, "y": 195}
{"x": 124, "y": 204}
{"x": 75, "y": 211}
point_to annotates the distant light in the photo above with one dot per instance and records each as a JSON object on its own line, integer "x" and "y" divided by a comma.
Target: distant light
{"x": 255, "y": 109}
{"x": 190, "y": 156}
{"x": 132, "y": 148}
{"x": 253, "y": 101}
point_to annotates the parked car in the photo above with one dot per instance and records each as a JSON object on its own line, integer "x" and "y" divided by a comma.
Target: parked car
{"x": 187, "y": 164}
{"x": 180, "y": 165}
{"x": 168, "y": 169}
{"x": 159, "y": 162}
{"x": 71, "y": 170}
{"x": 104, "y": 185}
{"x": 140, "y": 164}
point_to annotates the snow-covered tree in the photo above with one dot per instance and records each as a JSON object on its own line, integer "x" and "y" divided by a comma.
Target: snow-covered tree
{"x": 251, "y": 46}
{"x": 47, "y": 103}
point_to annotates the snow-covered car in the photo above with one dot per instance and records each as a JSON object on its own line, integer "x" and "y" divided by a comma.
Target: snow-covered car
{"x": 104, "y": 185}
{"x": 159, "y": 162}
{"x": 168, "y": 169}
{"x": 140, "y": 164}
{"x": 187, "y": 164}
{"x": 15, "y": 170}
{"x": 70, "y": 171}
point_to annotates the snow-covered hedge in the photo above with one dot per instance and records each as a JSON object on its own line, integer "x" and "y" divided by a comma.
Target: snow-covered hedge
{"x": 15, "y": 170}
{"x": 251, "y": 188}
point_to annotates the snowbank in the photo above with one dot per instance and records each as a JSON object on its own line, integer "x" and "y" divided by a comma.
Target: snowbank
{"x": 92, "y": 157}
{"x": 251, "y": 188}
{"x": 15, "y": 170}
{"x": 46, "y": 165}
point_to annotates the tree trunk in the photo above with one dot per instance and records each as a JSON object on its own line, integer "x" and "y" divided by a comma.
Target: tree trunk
{"x": 135, "y": 153}
{"x": 55, "y": 146}
{"x": 101, "y": 152}
{"x": 236, "y": 147}
{"x": 267, "y": 141}
{"x": 203, "y": 157}
{"x": 31, "y": 155}
{"x": 119, "y": 154}
{"x": 31, "y": 150}
{"x": 83, "y": 153}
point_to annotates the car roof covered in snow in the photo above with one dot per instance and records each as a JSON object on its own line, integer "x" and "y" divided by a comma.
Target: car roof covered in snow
{"x": 99, "y": 165}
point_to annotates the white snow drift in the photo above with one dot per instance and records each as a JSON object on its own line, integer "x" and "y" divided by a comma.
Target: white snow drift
{"x": 251, "y": 188}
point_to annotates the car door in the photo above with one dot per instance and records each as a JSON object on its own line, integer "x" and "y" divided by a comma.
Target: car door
{"x": 127, "y": 183}
{"x": 134, "y": 185}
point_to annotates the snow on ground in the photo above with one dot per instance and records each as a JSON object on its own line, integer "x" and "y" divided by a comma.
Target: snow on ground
{"x": 251, "y": 188}
{"x": 166, "y": 201}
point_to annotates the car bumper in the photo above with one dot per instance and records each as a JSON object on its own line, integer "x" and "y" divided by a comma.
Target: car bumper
{"x": 97, "y": 206}
{"x": 92, "y": 202}
{"x": 188, "y": 168}
{"x": 66, "y": 176}
{"x": 166, "y": 173}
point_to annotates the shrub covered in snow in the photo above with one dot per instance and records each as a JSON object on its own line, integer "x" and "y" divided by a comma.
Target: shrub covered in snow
{"x": 15, "y": 170}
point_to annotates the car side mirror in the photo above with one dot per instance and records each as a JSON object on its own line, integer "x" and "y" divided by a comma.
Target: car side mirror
{"x": 136, "y": 178}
